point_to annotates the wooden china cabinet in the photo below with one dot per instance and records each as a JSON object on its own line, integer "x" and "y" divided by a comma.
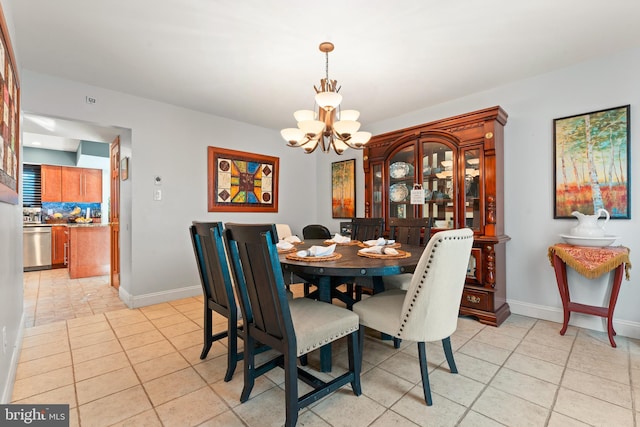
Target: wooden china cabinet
{"x": 458, "y": 162}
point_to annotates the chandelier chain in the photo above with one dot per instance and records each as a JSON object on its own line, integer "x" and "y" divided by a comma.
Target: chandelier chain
{"x": 326, "y": 68}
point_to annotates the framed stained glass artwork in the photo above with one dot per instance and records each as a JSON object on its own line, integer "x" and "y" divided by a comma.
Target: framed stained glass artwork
{"x": 242, "y": 182}
{"x": 9, "y": 119}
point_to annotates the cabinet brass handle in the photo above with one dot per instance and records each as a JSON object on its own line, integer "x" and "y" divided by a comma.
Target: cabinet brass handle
{"x": 473, "y": 300}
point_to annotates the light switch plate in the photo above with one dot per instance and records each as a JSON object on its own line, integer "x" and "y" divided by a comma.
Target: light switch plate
{"x": 157, "y": 194}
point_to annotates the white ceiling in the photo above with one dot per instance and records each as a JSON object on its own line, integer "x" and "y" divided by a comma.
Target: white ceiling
{"x": 257, "y": 61}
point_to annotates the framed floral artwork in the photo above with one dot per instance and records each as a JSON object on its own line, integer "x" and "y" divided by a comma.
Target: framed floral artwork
{"x": 343, "y": 189}
{"x": 591, "y": 163}
{"x": 242, "y": 182}
{"x": 9, "y": 119}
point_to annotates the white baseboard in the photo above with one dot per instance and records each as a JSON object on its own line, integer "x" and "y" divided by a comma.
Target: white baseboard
{"x": 136, "y": 301}
{"x": 623, "y": 328}
{"x": 7, "y": 387}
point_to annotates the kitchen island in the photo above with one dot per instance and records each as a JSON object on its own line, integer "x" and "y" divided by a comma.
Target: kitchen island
{"x": 88, "y": 250}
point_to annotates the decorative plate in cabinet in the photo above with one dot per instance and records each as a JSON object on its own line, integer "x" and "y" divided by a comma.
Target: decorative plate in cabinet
{"x": 398, "y": 192}
{"x": 400, "y": 170}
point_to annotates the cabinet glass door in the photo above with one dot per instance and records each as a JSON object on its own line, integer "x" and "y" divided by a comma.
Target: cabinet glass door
{"x": 376, "y": 202}
{"x": 472, "y": 180}
{"x": 438, "y": 182}
{"x": 401, "y": 178}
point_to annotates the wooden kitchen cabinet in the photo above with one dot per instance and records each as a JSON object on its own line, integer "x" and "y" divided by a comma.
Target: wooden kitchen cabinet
{"x": 58, "y": 246}
{"x": 51, "y": 183}
{"x": 458, "y": 161}
{"x": 81, "y": 185}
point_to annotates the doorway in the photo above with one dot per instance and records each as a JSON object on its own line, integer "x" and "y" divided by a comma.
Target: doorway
{"x": 48, "y": 137}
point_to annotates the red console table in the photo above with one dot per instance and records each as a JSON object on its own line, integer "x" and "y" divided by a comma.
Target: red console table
{"x": 591, "y": 263}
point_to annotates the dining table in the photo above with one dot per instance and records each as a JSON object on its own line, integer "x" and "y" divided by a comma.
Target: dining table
{"x": 326, "y": 273}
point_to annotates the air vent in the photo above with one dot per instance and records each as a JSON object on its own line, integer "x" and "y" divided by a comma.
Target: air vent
{"x": 31, "y": 186}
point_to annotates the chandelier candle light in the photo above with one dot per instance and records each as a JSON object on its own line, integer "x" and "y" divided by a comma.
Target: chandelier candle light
{"x": 321, "y": 128}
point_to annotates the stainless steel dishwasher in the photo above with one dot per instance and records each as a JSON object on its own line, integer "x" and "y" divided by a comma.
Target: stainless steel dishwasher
{"x": 36, "y": 250}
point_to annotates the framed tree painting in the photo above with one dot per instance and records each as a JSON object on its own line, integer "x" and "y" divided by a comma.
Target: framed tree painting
{"x": 591, "y": 163}
{"x": 9, "y": 119}
{"x": 242, "y": 182}
{"x": 343, "y": 189}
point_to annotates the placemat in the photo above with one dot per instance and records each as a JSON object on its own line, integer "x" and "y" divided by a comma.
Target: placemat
{"x": 393, "y": 245}
{"x": 287, "y": 251}
{"x": 334, "y": 256}
{"x": 349, "y": 243}
{"x": 401, "y": 254}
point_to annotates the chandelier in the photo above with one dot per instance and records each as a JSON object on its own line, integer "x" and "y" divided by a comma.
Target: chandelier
{"x": 331, "y": 127}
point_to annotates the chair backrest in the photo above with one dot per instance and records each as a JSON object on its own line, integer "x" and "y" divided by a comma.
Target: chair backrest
{"x": 283, "y": 231}
{"x": 430, "y": 309}
{"x": 213, "y": 266}
{"x": 366, "y": 228}
{"x": 316, "y": 231}
{"x": 409, "y": 230}
{"x": 260, "y": 285}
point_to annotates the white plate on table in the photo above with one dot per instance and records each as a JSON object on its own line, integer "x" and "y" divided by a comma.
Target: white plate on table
{"x": 597, "y": 242}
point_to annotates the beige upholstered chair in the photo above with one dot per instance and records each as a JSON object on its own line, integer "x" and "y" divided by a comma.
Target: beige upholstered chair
{"x": 283, "y": 231}
{"x": 291, "y": 328}
{"x": 428, "y": 310}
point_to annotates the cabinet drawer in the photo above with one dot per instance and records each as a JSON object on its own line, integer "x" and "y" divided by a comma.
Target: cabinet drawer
{"x": 476, "y": 299}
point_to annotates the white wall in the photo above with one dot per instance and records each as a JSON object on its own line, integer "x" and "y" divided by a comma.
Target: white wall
{"x": 171, "y": 142}
{"x": 532, "y": 105}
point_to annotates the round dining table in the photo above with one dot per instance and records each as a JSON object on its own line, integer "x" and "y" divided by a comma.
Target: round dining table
{"x": 327, "y": 274}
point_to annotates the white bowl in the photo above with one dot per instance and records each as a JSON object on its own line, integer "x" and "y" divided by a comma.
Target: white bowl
{"x": 597, "y": 242}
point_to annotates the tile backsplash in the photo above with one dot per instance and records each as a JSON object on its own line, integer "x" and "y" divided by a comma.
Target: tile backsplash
{"x": 70, "y": 209}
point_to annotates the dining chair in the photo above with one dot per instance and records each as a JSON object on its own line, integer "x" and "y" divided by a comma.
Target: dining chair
{"x": 215, "y": 279}
{"x": 283, "y": 231}
{"x": 366, "y": 228}
{"x": 428, "y": 310}
{"x": 316, "y": 231}
{"x": 409, "y": 231}
{"x": 291, "y": 327}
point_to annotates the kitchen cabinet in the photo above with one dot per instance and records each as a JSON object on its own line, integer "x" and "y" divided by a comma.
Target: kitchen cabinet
{"x": 51, "y": 183}
{"x": 81, "y": 185}
{"x": 59, "y": 246}
{"x": 88, "y": 250}
{"x": 458, "y": 162}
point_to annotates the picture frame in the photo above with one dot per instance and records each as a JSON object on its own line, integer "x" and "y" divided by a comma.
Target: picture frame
{"x": 9, "y": 119}
{"x": 124, "y": 168}
{"x": 239, "y": 181}
{"x": 591, "y": 154}
{"x": 343, "y": 189}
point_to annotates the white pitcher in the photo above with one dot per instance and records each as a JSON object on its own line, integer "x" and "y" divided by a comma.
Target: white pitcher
{"x": 588, "y": 224}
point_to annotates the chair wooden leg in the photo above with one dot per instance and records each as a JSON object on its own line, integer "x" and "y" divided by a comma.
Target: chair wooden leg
{"x": 291, "y": 389}
{"x": 232, "y": 348}
{"x": 396, "y": 342}
{"x": 355, "y": 360}
{"x": 208, "y": 331}
{"x": 446, "y": 345}
{"x": 361, "y": 342}
{"x": 249, "y": 367}
{"x": 424, "y": 371}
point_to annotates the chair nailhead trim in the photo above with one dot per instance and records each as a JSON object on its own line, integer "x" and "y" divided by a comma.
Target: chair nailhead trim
{"x": 327, "y": 340}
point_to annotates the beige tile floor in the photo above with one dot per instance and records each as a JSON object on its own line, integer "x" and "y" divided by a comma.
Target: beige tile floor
{"x": 142, "y": 367}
